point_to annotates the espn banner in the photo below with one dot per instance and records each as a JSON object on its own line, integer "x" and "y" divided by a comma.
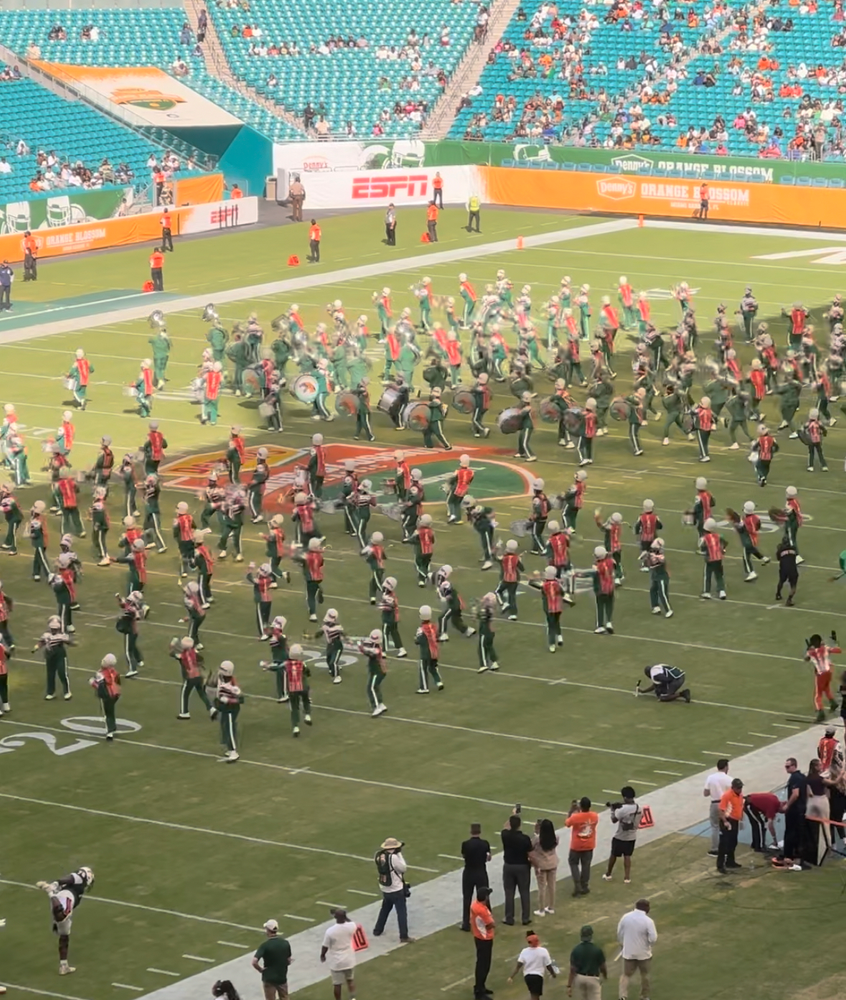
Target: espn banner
{"x": 146, "y": 227}
{"x": 631, "y": 195}
{"x": 379, "y": 188}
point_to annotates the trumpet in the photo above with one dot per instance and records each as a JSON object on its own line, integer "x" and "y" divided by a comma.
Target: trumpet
{"x": 156, "y": 319}
{"x": 210, "y": 314}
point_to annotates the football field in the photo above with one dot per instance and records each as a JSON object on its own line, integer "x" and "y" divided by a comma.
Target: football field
{"x": 191, "y": 855}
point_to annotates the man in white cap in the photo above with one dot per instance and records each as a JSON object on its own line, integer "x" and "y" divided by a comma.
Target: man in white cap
{"x": 272, "y": 959}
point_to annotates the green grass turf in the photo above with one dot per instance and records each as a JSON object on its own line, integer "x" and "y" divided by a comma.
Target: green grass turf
{"x": 546, "y": 729}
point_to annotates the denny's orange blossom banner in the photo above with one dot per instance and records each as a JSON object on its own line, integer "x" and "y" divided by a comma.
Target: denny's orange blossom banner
{"x": 631, "y": 195}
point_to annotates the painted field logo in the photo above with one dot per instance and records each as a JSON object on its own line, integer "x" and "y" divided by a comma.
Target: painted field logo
{"x": 632, "y": 164}
{"x": 494, "y": 479}
{"x": 616, "y": 188}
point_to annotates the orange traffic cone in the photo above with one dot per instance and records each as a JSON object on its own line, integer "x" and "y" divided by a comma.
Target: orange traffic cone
{"x": 640, "y": 221}
{"x": 148, "y": 286}
{"x": 519, "y": 242}
{"x": 293, "y": 261}
{"x": 425, "y": 238}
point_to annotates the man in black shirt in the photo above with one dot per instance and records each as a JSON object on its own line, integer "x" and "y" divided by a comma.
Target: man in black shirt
{"x": 788, "y": 572}
{"x": 794, "y": 813}
{"x": 516, "y": 869}
{"x": 476, "y": 853}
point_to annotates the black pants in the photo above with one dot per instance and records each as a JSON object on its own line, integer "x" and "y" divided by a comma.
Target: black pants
{"x": 519, "y": 878}
{"x": 471, "y": 880}
{"x": 438, "y": 197}
{"x": 484, "y": 954}
{"x": 794, "y": 828}
{"x": 314, "y": 247}
{"x": 728, "y": 843}
{"x": 157, "y": 278}
{"x": 471, "y": 218}
{"x": 30, "y": 268}
{"x": 432, "y": 228}
{"x": 758, "y": 825}
{"x": 391, "y": 235}
{"x": 167, "y": 239}
{"x": 5, "y": 291}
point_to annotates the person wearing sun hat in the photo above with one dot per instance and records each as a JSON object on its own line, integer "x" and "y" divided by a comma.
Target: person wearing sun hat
{"x": 392, "y": 867}
{"x": 587, "y": 967}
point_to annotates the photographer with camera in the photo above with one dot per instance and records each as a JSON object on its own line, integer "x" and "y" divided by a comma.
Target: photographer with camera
{"x": 391, "y": 867}
{"x": 626, "y": 815}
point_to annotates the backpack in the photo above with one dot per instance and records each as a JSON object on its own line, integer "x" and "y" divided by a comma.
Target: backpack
{"x": 384, "y": 868}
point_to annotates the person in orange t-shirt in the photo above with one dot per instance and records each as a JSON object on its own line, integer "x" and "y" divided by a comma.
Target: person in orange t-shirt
{"x": 314, "y": 242}
{"x": 583, "y": 822}
{"x": 156, "y": 266}
{"x": 731, "y": 816}
{"x": 482, "y": 924}
{"x": 432, "y": 221}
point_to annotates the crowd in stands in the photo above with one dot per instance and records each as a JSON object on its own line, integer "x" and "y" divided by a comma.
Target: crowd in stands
{"x": 732, "y": 49}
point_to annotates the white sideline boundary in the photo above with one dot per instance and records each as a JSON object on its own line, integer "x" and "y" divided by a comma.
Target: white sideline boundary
{"x": 436, "y": 905}
{"x": 91, "y": 320}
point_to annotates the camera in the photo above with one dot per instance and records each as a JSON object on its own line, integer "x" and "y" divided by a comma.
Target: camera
{"x": 614, "y": 805}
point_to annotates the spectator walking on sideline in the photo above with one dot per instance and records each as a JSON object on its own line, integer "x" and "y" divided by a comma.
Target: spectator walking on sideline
{"x": 476, "y": 853}
{"x": 636, "y": 934}
{"x": 587, "y": 968}
{"x": 432, "y": 222}
{"x": 296, "y": 196}
{"x": 516, "y": 869}
{"x": 483, "y": 926}
{"x": 474, "y": 213}
{"x": 314, "y": 235}
{"x": 731, "y": 817}
{"x": 391, "y": 867}
{"x": 272, "y": 960}
{"x": 391, "y": 226}
{"x": 544, "y": 858}
{"x": 761, "y": 809}
{"x": 534, "y": 961}
{"x": 7, "y": 276}
{"x": 438, "y": 190}
{"x": 338, "y": 951}
{"x": 627, "y": 817}
{"x": 716, "y": 785}
{"x": 583, "y": 822}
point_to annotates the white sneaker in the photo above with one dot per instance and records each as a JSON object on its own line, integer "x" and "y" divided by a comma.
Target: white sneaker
{"x": 665, "y": 442}
{"x": 549, "y": 909}
{"x": 722, "y": 595}
{"x": 569, "y": 445}
{"x": 733, "y": 447}
{"x": 401, "y": 652}
{"x": 799, "y": 560}
{"x": 336, "y": 679}
{"x": 487, "y": 564}
{"x": 443, "y": 637}
{"x": 469, "y": 632}
{"x": 67, "y": 697}
{"x": 378, "y": 710}
{"x": 540, "y": 913}
{"x": 668, "y": 614}
{"x": 656, "y": 611}
{"x": 66, "y": 970}
{"x": 606, "y": 878}
{"x": 750, "y": 577}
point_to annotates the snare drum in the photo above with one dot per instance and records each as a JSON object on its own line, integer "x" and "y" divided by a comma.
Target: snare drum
{"x": 688, "y": 518}
{"x": 197, "y": 389}
{"x": 304, "y": 388}
{"x": 415, "y": 416}
{"x": 391, "y": 510}
{"x": 687, "y": 422}
{"x": 346, "y": 404}
{"x": 389, "y": 486}
{"x": 509, "y": 420}
{"x": 131, "y": 391}
{"x": 574, "y": 419}
{"x": 549, "y": 410}
{"x": 71, "y": 384}
{"x": 388, "y": 400}
{"x": 266, "y": 410}
{"x": 752, "y": 457}
{"x": 463, "y": 401}
{"x": 519, "y": 528}
{"x": 619, "y": 409}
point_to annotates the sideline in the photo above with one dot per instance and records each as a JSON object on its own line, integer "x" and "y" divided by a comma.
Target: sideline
{"x": 180, "y": 304}
{"x": 435, "y": 905}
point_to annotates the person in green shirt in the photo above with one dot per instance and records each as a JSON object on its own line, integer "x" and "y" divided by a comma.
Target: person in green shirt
{"x": 437, "y": 414}
{"x": 217, "y": 338}
{"x": 272, "y": 959}
{"x": 161, "y": 352}
{"x": 587, "y": 967}
{"x": 237, "y": 354}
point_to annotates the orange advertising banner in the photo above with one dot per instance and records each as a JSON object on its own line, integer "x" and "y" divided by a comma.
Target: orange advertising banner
{"x": 631, "y": 195}
{"x": 87, "y": 236}
{"x": 199, "y": 190}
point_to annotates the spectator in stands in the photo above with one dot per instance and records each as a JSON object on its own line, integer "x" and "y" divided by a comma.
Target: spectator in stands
{"x": 202, "y": 25}
{"x": 308, "y": 115}
{"x": 5, "y": 168}
{"x": 323, "y": 129}
{"x": 186, "y": 34}
{"x": 33, "y": 51}
{"x": 57, "y": 34}
{"x": 179, "y": 67}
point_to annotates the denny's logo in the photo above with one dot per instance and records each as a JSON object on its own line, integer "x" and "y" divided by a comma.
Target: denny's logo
{"x": 143, "y": 97}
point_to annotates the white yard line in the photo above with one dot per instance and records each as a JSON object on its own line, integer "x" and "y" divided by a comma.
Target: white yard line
{"x": 199, "y": 958}
{"x": 176, "y": 975}
{"x": 226, "y": 944}
{"x": 126, "y": 986}
{"x": 139, "y": 906}
{"x": 675, "y": 807}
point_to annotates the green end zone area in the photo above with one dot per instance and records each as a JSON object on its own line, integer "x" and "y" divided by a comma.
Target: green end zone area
{"x": 192, "y": 856}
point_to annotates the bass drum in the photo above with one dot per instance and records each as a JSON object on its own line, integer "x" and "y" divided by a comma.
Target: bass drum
{"x": 687, "y": 422}
{"x": 574, "y": 419}
{"x": 388, "y": 400}
{"x": 415, "y": 416}
{"x": 509, "y": 420}
{"x": 549, "y": 410}
{"x": 304, "y": 388}
{"x": 619, "y": 409}
{"x": 252, "y": 381}
{"x": 463, "y": 401}
{"x": 346, "y": 404}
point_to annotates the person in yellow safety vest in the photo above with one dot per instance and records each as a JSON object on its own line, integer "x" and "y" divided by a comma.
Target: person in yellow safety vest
{"x": 474, "y": 208}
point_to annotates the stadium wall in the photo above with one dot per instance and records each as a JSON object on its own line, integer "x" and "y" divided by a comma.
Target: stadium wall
{"x": 60, "y": 241}
{"x": 248, "y": 160}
